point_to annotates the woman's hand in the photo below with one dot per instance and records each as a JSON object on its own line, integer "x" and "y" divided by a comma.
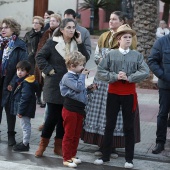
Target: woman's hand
{"x": 78, "y": 38}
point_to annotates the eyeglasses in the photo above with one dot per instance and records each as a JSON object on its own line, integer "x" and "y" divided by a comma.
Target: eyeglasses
{"x": 1, "y": 28}
{"x": 36, "y": 23}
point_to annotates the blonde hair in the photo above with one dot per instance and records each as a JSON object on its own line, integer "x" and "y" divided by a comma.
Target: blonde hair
{"x": 41, "y": 20}
{"x": 74, "y": 58}
{"x": 56, "y": 16}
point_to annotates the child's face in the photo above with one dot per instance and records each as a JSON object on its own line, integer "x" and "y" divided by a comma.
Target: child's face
{"x": 79, "y": 68}
{"x": 125, "y": 41}
{"x": 21, "y": 73}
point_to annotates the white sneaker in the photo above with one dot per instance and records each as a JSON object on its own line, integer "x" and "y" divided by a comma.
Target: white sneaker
{"x": 98, "y": 153}
{"x": 128, "y": 165}
{"x": 70, "y": 164}
{"x": 98, "y": 162}
{"x": 76, "y": 160}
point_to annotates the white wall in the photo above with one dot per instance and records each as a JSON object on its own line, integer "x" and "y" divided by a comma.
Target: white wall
{"x": 21, "y": 10}
{"x": 59, "y": 6}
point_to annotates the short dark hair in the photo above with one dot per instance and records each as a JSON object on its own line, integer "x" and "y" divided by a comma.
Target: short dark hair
{"x": 70, "y": 12}
{"x": 120, "y": 15}
{"x": 49, "y": 12}
{"x": 25, "y": 65}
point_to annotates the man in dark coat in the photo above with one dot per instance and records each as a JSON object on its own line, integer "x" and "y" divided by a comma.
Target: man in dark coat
{"x": 159, "y": 63}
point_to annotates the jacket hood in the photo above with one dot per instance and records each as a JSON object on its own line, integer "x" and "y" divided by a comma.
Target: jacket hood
{"x": 20, "y": 43}
{"x": 30, "y": 79}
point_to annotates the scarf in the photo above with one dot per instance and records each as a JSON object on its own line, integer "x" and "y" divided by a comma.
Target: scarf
{"x": 106, "y": 40}
{"x": 6, "y": 47}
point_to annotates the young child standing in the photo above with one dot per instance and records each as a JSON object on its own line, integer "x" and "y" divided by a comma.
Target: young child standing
{"x": 23, "y": 102}
{"x": 121, "y": 68}
{"x": 72, "y": 87}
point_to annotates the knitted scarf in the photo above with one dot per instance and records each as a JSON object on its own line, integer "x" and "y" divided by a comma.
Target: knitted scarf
{"x": 6, "y": 47}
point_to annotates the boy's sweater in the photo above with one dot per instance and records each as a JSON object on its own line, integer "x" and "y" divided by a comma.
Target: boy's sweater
{"x": 72, "y": 87}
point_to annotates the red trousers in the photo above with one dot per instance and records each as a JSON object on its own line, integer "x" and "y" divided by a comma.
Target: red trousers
{"x": 72, "y": 123}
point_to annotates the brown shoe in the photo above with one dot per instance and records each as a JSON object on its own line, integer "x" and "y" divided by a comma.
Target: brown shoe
{"x": 58, "y": 147}
{"x": 42, "y": 146}
{"x": 40, "y": 128}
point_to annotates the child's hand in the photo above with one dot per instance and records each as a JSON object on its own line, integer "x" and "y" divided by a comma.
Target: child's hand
{"x": 9, "y": 87}
{"x": 122, "y": 75}
{"x": 93, "y": 87}
{"x": 85, "y": 71}
{"x": 20, "y": 116}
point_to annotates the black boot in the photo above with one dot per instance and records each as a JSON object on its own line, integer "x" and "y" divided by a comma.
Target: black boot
{"x": 39, "y": 100}
{"x": 11, "y": 138}
{"x": 158, "y": 148}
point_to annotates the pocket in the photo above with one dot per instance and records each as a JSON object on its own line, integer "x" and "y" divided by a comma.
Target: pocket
{"x": 166, "y": 60}
{"x": 166, "y": 56}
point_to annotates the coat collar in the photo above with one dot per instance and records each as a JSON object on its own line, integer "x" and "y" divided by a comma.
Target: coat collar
{"x": 60, "y": 47}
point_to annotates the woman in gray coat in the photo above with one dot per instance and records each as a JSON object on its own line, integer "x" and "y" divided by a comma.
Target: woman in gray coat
{"x": 51, "y": 61}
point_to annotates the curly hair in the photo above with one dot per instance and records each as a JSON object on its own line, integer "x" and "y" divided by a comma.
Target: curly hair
{"x": 74, "y": 58}
{"x": 13, "y": 25}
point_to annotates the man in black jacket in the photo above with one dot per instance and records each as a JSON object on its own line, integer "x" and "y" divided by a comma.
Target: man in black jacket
{"x": 159, "y": 63}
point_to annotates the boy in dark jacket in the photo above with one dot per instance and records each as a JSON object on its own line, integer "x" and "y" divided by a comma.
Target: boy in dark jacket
{"x": 23, "y": 102}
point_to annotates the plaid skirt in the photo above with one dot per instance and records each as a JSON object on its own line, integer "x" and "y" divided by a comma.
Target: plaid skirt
{"x": 95, "y": 121}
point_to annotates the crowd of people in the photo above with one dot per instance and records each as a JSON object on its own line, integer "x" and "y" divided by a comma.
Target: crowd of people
{"x": 52, "y": 58}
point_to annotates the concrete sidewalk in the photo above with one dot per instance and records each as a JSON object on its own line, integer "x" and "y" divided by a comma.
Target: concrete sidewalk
{"x": 148, "y": 105}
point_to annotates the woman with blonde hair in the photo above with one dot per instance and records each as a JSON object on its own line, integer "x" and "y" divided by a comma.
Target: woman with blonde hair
{"x": 32, "y": 39}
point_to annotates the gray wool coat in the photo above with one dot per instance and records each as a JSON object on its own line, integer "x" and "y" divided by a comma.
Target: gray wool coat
{"x": 51, "y": 56}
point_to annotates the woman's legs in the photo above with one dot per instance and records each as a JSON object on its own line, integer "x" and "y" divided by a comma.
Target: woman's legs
{"x": 54, "y": 118}
{"x": 11, "y": 120}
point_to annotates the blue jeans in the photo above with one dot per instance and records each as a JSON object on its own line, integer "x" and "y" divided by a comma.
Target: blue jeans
{"x": 164, "y": 107}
